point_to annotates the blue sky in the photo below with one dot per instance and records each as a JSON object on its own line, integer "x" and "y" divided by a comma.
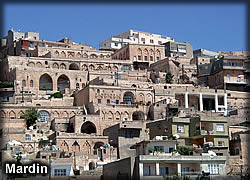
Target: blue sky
{"x": 210, "y": 26}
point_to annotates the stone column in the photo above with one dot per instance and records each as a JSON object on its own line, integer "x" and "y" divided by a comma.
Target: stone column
{"x": 141, "y": 170}
{"x": 216, "y": 102}
{"x": 186, "y": 99}
{"x": 225, "y": 104}
{"x": 157, "y": 168}
{"x": 179, "y": 169}
{"x": 201, "y": 102}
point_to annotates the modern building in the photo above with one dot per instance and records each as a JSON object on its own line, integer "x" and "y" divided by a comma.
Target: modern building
{"x": 133, "y": 37}
{"x": 178, "y": 49}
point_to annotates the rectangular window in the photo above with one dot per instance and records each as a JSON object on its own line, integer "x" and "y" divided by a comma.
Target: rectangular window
{"x": 180, "y": 128}
{"x": 60, "y": 172}
{"x": 151, "y": 58}
{"x": 116, "y": 44}
{"x": 108, "y": 101}
{"x": 99, "y": 101}
{"x": 163, "y": 171}
{"x": 214, "y": 168}
{"x": 139, "y": 57}
{"x": 158, "y": 58}
{"x": 143, "y": 39}
{"x": 117, "y": 102}
{"x": 151, "y": 41}
{"x": 220, "y": 127}
{"x": 146, "y": 170}
{"x": 159, "y": 148}
{"x": 145, "y": 58}
{"x": 221, "y": 143}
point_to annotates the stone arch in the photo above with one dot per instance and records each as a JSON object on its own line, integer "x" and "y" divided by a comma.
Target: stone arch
{"x": 78, "y": 55}
{"x": 65, "y": 114}
{"x": 72, "y": 113}
{"x": 56, "y": 53}
{"x": 45, "y": 82}
{"x": 91, "y": 165}
{"x": 125, "y": 116}
{"x": 31, "y": 64}
{"x": 63, "y": 54}
{"x": 91, "y": 67}
{"x": 71, "y": 54}
{"x": 88, "y": 128}
{"x": 75, "y": 147}
{"x": 2, "y": 114}
{"x": 158, "y": 54}
{"x": 20, "y": 114}
{"x": 98, "y": 150}
{"x": 62, "y": 66}
{"x": 85, "y": 55}
{"x": 99, "y": 67}
{"x": 138, "y": 115}
{"x": 128, "y": 97}
{"x": 101, "y": 56}
{"x": 74, "y": 66}
{"x": 38, "y": 64}
{"x": 56, "y": 114}
{"x": 115, "y": 68}
{"x": 108, "y": 56}
{"x": 12, "y": 115}
{"x": 93, "y": 56}
{"x": 64, "y": 146}
{"x": 109, "y": 116}
{"x": 55, "y": 66}
{"x": 86, "y": 147}
{"x": 63, "y": 82}
{"x": 117, "y": 116}
{"x": 139, "y": 51}
{"x": 109, "y": 68}
{"x": 84, "y": 67}
{"x": 149, "y": 98}
{"x": 140, "y": 97}
{"x": 145, "y": 54}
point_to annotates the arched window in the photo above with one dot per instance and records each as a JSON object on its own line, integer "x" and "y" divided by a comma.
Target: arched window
{"x": 77, "y": 85}
{"x": 45, "y": 82}
{"x": 44, "y": 116}
{"x": 88, "y": 128}
{"x": 128, "y": 98}
{"x": 83, "y": 85}
{"x": 63, "y": 83}
{"x": 31, "y": 83}
{"x": 23, "y": 83}
{"x": 27, "y": 137}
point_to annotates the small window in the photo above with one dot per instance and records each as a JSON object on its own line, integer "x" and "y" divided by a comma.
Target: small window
{"x": 117, "y": 102}
{"x": 60, "y": 172}
{"x": 151, "y": 58}
{"x": 98, "y": 90}
{"x": 180, "y": 128}
{"x": 116, "y": 44}
{"x": 220, "y": 127}
{"x": 221, "y": 143}
{"x": 158, "y": 58}
{"x": 145, "y": 58}
{"x": 77, "y": 86}
{"x": 27, "y": 137}
{"x": 83, "y": 85}
{"x": 46, "y": 62}
{"x": 139, "y": 57}
{"x": 99, "y": 101}
{"x": 151, "y": 41}
{"x": 31, "y": 83}
{"x": 108, "y": 101}
{"x": 24, "y": 83}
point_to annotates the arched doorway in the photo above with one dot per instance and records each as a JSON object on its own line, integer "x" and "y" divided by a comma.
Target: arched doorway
{"x": 74, "y": 66}
{"x": 88, "y": 128}
{"x": 63, "y": 83}
{"x": 45, "y": 82}
{"x": 98, "y": 150}
{"x": 138, "y": 115}
{"x": 128, "y": 98}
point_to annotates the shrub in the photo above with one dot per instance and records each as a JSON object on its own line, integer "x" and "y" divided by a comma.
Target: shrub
{"x": 56, "y": 95}
{"x": 31, "y": 115}
{"x": 6, "y": 84}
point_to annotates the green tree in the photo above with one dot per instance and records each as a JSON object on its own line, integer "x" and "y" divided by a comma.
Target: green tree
{"x": 169, "y": 77}
{"x": 184, "y": 150}
{"x": 31, "y": 115}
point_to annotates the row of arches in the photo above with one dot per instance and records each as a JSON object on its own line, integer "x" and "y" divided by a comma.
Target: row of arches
{"x": 77, "y": 146}
{"x": 69, "y": 54}
{"x": 115, "y": 116}
{"x": 44, "y": 115}
{"x": 84, "y": 67}
{"x": 46, "y": 82}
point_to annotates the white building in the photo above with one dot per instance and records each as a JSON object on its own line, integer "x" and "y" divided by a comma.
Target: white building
{"x": 133, "y": 37}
